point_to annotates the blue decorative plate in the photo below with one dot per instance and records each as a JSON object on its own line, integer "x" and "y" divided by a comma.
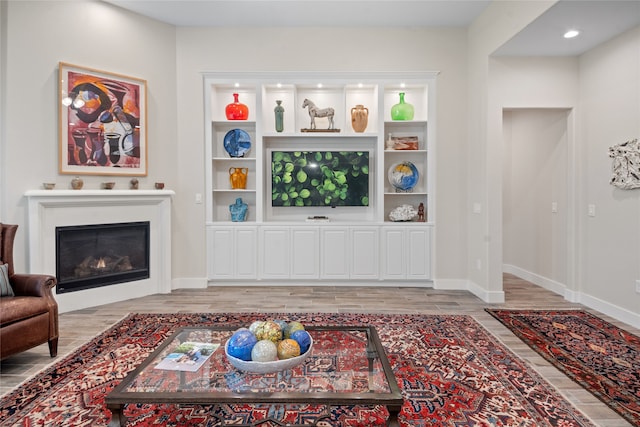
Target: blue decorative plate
{"x": 237, "y": 143}
{"x": 403, "y": 176}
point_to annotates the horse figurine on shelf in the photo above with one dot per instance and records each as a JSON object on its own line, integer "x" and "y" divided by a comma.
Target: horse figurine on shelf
{"x": 314, "y": 112}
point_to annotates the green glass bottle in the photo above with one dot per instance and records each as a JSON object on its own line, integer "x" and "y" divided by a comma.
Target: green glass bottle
{"x": 402, "y": 111}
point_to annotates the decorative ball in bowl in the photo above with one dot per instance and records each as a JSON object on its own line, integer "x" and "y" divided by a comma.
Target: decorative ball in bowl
{"x": 108, "y": 185}
{"x": 263, "y": 351}
{"x": 49, "y": 185}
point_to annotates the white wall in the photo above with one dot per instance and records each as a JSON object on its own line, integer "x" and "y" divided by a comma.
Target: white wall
{"x": 341, "y": 49}
{"x": 610, "y": 105}
{"x": 38, "y": 35}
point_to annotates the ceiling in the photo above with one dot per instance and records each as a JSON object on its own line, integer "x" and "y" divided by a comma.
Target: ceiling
{"x": 598, "y": 20}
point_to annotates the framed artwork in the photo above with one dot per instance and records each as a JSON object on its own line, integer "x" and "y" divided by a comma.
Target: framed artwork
{"x": 103, "y": 121}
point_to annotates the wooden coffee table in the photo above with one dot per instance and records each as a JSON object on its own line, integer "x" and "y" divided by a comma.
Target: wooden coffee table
{"x": 347, "y": 366}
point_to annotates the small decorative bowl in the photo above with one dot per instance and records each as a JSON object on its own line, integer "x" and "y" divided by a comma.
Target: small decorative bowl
{"x": 108, "y": 185}
{"x": 49, "y": 185}
{"x": 159, "y": 185}
{"x": 267, "y": 367}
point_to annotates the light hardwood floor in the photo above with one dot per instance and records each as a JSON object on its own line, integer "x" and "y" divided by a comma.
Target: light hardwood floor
{"x": 80, "y": 326}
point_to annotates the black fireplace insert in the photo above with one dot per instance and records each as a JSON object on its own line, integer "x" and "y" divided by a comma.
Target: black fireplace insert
{"x": 91, "y": 256}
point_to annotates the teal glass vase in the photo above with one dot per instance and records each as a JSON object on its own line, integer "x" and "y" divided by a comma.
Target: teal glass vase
{"x": 402, "y": 110}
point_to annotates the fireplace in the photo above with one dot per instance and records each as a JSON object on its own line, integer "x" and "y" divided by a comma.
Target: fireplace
{"x": 96, "y": 255}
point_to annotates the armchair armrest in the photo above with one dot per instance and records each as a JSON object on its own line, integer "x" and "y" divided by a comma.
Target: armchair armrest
{"x": 37, "y": 285}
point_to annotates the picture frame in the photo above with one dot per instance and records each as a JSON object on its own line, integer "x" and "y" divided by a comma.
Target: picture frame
{"x": 102, "y": 122}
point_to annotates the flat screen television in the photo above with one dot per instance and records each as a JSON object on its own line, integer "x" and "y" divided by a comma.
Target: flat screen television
{"x": 319, "y": 178}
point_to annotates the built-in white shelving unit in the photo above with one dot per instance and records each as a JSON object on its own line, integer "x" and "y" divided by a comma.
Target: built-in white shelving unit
{"x": 278, "y": 243}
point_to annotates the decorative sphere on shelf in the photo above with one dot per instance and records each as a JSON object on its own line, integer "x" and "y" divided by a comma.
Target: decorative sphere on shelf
{"x": 269, "y": 330}
{"x": 403, "y": 176}
{"x": 288, "y": 348}
{"x": 241, "y": 343}
{"x": 292, "y": 327}
{"x": 264, "y": 351}
{"x": 303, "y": 339}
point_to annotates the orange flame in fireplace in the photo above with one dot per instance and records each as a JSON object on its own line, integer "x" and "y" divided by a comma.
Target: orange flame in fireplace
{"x": 101, "y": 263}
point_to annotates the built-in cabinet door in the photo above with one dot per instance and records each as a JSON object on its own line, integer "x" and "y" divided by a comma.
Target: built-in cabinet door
{"x": 418, "y": 255}
{"x": 393, "y": 259}
{"x": 334, "y": 244}
{"x": 246, "y": 253}
{"x": 364, "y": 253}
{"x": 406, "y": 253}
{"x": 275, "y": 252}
{"x": 305, "y": 253}
{"x": 232, "y": 253}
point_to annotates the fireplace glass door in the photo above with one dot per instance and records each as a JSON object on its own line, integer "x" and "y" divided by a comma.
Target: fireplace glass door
{"x": 90, "y": 256}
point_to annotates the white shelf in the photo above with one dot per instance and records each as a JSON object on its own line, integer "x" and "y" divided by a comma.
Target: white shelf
{"x": 377, "y": 92}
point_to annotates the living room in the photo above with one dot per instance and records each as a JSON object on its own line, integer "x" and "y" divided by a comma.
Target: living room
{"x": 480, "y": 97}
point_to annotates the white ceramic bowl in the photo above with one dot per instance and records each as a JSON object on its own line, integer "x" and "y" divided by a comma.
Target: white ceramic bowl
{"x": 267, "y": 367}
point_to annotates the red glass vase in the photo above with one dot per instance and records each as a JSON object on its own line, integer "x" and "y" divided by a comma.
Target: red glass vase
{"x": 236, "y": 110}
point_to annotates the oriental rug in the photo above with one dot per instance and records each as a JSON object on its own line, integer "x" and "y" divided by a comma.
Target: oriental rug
{"x": 452, "y": 372}
{"x": 599, "y": 356}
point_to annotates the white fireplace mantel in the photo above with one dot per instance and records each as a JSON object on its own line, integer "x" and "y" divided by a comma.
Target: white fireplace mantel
{"x": 49, "y": 209}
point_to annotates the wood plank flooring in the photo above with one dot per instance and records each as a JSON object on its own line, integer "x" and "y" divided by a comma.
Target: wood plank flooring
{"x": 78, "y": 327}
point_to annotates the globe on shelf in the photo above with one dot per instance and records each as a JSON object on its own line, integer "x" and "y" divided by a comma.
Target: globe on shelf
{"x": 241, "y": 343}
{"x": 403, "y": 176}
{"x": 288, "y": 348}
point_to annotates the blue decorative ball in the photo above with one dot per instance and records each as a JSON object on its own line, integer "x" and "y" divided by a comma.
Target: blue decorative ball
{"x": 241, "y": 343}
{"x": 303, "y": 339}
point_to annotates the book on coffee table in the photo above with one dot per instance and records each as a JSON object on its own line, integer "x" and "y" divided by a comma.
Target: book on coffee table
{"x": 188, "y": 356}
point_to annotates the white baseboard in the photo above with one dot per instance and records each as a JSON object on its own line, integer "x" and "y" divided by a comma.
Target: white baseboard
{"x": 544, "y": 282}
{"x": 492, "y": 297}
{"x": 189, "y": 283}
{"x": 618, "y": 313}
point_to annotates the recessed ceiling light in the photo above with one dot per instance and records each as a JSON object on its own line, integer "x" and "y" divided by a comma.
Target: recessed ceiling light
{"x": 319, "y": 85}
{"x": 571, "y": 34}
{"x": 237, "y": 85}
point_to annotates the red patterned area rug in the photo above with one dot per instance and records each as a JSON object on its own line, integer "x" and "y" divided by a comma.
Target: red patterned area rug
{"x": 599, "y": 356}
{"x": 452, "y": 372}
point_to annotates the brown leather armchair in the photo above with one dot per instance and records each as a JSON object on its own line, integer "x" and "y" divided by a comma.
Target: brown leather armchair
{"x": 29, "y": 318}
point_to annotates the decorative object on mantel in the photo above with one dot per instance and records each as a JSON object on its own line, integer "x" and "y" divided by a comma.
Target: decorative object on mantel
{"x": 237, "y": 142}
{"x": 403, "y": 110}
{"x": 101, "y": 111}
{"x": 133, "y": 184}
{"x": 238, "y": 178}
{"x": 315, "y": 112}
{"x": 238, "y": 211}
{"x": 48, "y": 185}
{"x": 403, "y": 213}
{"x": 626, "y": 165}
{"x": 421, "y": 217}
{"x": 402, "y": 143}
{"x": 159, "y": 185}
{"x": 236, "y": 110}
{"x": 403, "y": 176}
{"x": 279, "y": 113}
{"x": 359, "y": 118}
{"x": 108, "y": 185}
{"x": 77, "y": 183}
